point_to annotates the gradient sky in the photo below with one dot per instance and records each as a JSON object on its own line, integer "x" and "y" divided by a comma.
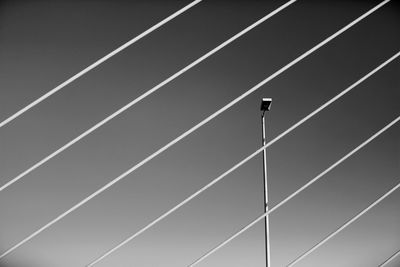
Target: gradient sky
{"x": 44, "y": 42}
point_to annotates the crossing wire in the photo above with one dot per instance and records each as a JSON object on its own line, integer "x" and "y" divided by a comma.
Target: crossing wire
{"x": 386, "y": 262}
{"x": 197, "y": 193}
{"x": 98, "y": 62}
{"x": 146, "y": 94}
{"x": 203, "y": 257}
{"x": 194, "y": 128}
{"x": 341, "y": 228}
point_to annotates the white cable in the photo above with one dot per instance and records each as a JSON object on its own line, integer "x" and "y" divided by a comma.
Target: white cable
{"x": 194, "y": 128}
{"x": 295, "y": 193}
{"x": 386, "y": 262}
{"x": 149, "y": 92}
{"x": 98, "y": 62}
{"x": 163, "y": 216}
{"x": 376, "y": 202}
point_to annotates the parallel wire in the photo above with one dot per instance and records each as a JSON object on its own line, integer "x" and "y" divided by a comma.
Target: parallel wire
{"x": 98, "y": 62}
{"x": 177, "y": 74}
{"x": 194, "y": 195}
{"x": 146, "y": 94}
{"x": 341, "y": 228}
{"x": 194, "y": 128}
{"x": 386, "y": 262}
{"x": 295, "y": 193}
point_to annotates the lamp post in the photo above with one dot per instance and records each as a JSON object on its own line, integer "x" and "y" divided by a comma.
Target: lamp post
{"x": 265, "y": 106}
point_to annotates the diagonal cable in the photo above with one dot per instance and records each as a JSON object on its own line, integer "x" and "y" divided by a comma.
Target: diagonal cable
{"x": 194, "y": 195}
{"x": 386, "y": 262}
{"x": 98, "y": 62}
{"x": 194, "y": 128}
{"x": 204, "y": 256}
{"x": 146, "y": 94}
{"x": 337, "y": 231}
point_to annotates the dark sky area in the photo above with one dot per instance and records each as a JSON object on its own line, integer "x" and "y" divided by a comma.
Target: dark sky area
{"x": 44, "y": 42}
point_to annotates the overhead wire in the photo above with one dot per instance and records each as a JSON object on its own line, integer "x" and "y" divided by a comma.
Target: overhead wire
{"x": 341, "y": 228}
{"x": 214, "y": 181}
{"x": 143, "y": 96}
{"x": 194, "y": 128}
{"x": 291, "y": 196}
{"x": 390, "y": 259}
{"x": 98, "y": 62}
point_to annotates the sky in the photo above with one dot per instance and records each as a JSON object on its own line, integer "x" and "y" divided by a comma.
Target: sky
{"x": 43, "y": 43}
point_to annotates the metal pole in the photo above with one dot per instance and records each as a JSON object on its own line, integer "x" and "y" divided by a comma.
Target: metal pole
{"x": 265, "y": 180}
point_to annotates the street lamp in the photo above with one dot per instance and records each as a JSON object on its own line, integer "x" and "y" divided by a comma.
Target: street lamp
{"x": 265, "y": 106}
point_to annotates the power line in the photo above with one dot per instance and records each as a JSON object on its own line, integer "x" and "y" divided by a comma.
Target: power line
{"x": 334, "y": 233}
{"x": 149, "y": 92}
{"x": 386, "y": 262}
{"x": 98, "y": 62}
{"x": 163, "y": 216}
{"x": 295, "y": 193}
{"x": 194, "y": 128}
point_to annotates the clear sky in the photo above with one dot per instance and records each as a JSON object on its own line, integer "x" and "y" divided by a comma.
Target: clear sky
{"x": 44, "y": 42}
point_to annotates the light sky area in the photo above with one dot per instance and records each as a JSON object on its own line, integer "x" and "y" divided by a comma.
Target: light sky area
{"x": 44, "y": 42}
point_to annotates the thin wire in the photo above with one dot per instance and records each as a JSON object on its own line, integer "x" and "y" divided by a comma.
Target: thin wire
{"x": 163, "y": 216}
{"x": 194, "y": 128}
{"x": 386, "y": 262}
{"x": 334, "y": 233}
{"x": 295, "y": 193}
{"x": 152, "y": 90}
{"x": 98, "y": 62}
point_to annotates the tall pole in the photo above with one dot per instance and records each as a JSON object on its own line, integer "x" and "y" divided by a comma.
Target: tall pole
{"x": 265, "y": 106}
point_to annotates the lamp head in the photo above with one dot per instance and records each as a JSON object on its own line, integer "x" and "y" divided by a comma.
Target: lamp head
{"x": 266, "y": 104}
